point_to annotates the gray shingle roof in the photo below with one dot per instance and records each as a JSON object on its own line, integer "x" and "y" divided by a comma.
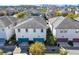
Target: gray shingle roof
{"x": 13, "y": 19}
{"x": 1, "y": 25}
{"x": 40, "y": 19}
{"x": 7, "y": 20}
{"x": 68, "y": 23}
{"x": 33, "y": 22}
{"x": 56, "y": 21}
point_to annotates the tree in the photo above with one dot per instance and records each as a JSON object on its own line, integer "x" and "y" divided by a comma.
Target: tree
{"x": 64, "y": 14}
{"x": 72, "y": 16}
{"x": 58, "y": 13}
{"x": 1, "y": 52}
{"x": 22, "y": 14}
{"x": 51, "y": 40}
{"x": 43, "y": 10}
{"x": 3, "y": 13}
{"x": 37, "y": 48}
{"x": 63, "y": 51}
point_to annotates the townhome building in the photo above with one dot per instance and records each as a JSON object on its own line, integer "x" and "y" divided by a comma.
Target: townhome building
{"x": 32, "y": 29}
{"x": 66, "y": 30}
{"x": 6, "y": 28}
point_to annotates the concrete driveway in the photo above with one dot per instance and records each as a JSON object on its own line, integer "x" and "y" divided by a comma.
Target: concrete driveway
{"x": 73, "y": 52}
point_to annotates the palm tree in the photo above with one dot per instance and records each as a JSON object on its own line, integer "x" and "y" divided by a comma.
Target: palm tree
{"x": 37, "y": 48}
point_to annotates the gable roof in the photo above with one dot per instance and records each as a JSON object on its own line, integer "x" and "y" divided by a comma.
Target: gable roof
{"x": 68, "y": 23}
{"x": 1, "y": 24}
{"x": 7, "y": 20}
{"x": 55, "y": 21}
{"x": 33, "y": 22}
{"x": 12, "y": 19}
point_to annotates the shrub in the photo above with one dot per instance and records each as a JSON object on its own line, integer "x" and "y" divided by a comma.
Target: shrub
{"x": 1, "y": 52}
{"x": 50, "y": 39}
{"x": 63, "y": 51}
{"x": 37, "y": 48}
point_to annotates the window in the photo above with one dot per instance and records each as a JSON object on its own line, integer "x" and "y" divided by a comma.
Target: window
{"x": 34, "y": 30}
{"x": 2, "y": 29}
{"x": 26, "y": 30}
{"x": 77, "y": 31}
{"x": 18, "y": 30}
{"x": 22, "y": 36}
{"x": 63, "y": 31}
{"x": 41, "y": 30}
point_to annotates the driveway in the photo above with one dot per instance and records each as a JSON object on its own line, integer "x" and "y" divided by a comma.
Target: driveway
{"x": 73, "y": 52}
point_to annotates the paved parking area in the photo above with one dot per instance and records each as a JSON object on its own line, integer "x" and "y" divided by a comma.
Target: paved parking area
{"x": 11, "y": 49}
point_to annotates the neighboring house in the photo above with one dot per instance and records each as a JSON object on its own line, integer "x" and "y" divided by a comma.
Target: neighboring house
{"x": 51, "y": 12}
{"x": 11, "y": 11}
{"x": 35, "y": 12}
{"x": 66, "y": 30}
{"x": 64, "y": 12}
{"x": 54, "y": 22}
{"x": 32, "y": 29}
{"x": 6, "y": 28}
